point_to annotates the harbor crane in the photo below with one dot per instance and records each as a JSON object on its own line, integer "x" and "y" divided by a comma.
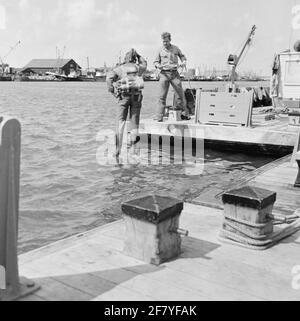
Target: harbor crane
{"x": 235, "y": 60}
{"x": 13, "y": 48}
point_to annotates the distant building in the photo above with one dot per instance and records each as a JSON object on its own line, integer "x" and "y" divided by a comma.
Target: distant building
{"x": 42, "y": 66}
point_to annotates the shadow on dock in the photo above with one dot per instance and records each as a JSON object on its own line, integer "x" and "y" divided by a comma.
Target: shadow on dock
{"x": 89, "y": 285}
{"x": 195, "y": 248}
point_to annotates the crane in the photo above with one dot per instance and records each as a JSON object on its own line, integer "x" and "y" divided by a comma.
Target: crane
{"x": 234, "y": 60}
{"x": 7, "y": 55}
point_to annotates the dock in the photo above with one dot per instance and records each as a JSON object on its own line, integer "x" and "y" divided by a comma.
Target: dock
{"x": 278, "y": 176}
{"x": 92, "y": 266}
{"x": 272, "y": 137}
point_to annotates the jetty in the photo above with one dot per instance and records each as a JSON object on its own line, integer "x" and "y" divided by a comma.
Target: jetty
{"x": 162, "y": 250}
{"x": 93, "y": 266}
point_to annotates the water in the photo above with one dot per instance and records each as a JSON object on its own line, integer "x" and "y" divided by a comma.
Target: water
{"x": 63, "y": 189}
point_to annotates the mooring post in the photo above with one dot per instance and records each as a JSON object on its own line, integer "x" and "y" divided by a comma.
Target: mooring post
{"x": 12, "y": 287}
{"x": 248, "y": 209}
{"x": 152, "y": 228}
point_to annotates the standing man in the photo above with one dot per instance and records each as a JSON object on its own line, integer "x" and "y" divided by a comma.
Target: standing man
{"x": 125, "y": 82}
{"x": 167, "y": 62}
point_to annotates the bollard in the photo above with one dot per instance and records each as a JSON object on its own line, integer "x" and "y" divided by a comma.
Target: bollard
{"x": 249, "y": 221}
{"x": 247, "y": 211}
{"x": 297, "y": 158}
{"x": 12, "y": 287}
{"x": 152, "y": 228}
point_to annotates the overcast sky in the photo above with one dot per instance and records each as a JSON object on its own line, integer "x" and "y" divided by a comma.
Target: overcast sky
{"x": 207, "y": 31}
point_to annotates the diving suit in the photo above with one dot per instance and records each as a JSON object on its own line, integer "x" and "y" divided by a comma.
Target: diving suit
{"x": 125, "y": 82}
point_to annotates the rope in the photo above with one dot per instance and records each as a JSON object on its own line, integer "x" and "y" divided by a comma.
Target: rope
{"x": 238, "y": 220}
{"x": 255, "y": 242}
{"x": 233, "y": 239}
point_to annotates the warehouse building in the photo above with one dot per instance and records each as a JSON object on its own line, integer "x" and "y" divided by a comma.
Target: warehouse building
{"x": 42, "y": 66}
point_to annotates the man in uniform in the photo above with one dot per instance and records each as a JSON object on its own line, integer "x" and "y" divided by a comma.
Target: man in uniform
{"x": 126, "y": 84}
{"x": 167, "y": 62}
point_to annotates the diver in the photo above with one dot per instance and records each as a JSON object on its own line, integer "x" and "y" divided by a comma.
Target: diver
{"x": 167, "y": 62}
{"x": 125, "y": 82}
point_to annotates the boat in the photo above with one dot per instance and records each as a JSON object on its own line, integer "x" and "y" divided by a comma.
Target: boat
{"x": 4, "y": 77}
{"x": 232, "y": 119}
{"x": 71, "y": 77}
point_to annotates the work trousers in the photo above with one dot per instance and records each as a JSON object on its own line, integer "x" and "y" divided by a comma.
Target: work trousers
{"x": 128, "y": 104}
{"x": 172, "y": 78}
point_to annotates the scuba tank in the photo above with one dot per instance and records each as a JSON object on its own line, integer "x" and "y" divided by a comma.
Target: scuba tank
{"x": 131, "y": 83}
{"x": 130, "y": 80}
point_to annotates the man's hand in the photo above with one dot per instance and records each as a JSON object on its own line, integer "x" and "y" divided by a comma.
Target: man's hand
{"x": 183, "y": 65}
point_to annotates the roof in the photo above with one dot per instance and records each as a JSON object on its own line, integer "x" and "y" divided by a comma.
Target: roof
{"x": 47, "y": 63}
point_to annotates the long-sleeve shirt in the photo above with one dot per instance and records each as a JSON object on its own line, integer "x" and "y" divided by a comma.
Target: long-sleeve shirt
{"x": 168, "y": 58}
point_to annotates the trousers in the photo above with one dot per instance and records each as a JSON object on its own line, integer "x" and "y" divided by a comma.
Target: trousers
{"x": 168, "y": 78}
{"x": 131, "y": 105}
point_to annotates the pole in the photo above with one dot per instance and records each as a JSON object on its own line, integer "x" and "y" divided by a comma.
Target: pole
{"x": 10, "y": 150}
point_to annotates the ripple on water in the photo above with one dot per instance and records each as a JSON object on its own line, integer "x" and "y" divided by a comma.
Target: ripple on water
{"x": 63, "y": 189}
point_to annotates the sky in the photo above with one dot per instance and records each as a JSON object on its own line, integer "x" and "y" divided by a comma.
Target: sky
{"x": 207, "y": 31}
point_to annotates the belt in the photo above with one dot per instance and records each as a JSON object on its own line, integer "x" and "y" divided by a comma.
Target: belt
{"x": 169, "y": 70}
{"x": 134, "y": 93}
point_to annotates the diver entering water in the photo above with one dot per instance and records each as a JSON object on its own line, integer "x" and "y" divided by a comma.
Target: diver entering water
{"x": 125, "y": 82}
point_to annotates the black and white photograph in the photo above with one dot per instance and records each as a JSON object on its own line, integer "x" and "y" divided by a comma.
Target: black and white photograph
{"x": 149, "y": 153}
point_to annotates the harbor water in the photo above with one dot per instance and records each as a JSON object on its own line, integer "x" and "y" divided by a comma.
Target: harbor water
{"x": 64, "y": 191}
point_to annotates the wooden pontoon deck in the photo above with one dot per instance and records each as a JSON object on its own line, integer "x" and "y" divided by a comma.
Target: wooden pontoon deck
{"x": 91, "y": 266}
{"x": 268, "y": 137}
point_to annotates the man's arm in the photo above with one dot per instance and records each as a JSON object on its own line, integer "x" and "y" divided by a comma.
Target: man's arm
{"x": 142, "y": 65}
{"x": 111, "y": 78}
{"x": 182, "y": 56}
{"x": 157, "y": 61}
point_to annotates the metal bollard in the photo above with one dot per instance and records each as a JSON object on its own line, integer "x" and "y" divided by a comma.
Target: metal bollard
{"x": 11, "y": 286}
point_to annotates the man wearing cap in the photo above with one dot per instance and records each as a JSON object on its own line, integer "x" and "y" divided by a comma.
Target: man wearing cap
{"x": 126, "y": 84}
{"x": 167, "y": 62}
